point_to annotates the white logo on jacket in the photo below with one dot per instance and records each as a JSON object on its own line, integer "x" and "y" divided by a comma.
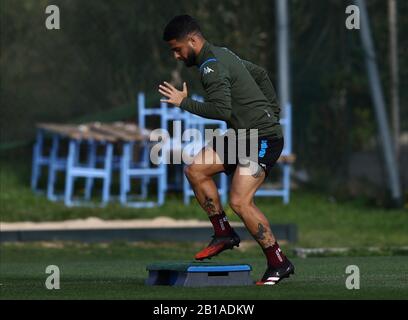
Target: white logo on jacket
{"x": 208, "y": 70}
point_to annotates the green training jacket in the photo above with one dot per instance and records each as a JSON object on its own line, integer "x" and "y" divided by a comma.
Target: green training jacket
{"x": 237, "y": 91}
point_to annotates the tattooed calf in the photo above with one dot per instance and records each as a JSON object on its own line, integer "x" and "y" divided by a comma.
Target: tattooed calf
{"x": 264, "y": 236}
{"x": 209, "y": 207}
{"x": 260, "y": 235}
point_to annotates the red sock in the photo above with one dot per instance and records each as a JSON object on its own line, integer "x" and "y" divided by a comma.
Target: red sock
{"x": 221, "y": 225}
{"x": 275, "y": 256}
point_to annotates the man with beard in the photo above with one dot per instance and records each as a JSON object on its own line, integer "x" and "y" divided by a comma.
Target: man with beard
{"x": 240, "y": 93}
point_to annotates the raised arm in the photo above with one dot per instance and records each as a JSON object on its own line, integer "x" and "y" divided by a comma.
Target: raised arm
{"x": 216, "y": 83}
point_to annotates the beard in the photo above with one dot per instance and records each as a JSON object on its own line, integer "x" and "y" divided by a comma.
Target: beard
{"x": 191, "y": 58}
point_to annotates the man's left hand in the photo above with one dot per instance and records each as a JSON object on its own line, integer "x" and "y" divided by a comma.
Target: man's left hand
{"x": 174, "y": 96}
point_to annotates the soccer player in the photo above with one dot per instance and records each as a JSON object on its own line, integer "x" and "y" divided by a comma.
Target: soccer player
{"x": 240, "y": 93}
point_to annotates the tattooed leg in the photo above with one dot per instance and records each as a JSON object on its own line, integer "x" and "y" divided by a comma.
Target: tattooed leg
{"x": 243, "y": 190}
{"x": 200, "y": 178}
{"x": 210, "y": 207}
{"x": 264, "y": 236}
{"x": 206, "y": 192}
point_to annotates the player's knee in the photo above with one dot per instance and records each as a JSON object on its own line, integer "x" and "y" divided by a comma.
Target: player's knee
{"x": 192, "y": 173}
{"x": 238, "y": 204}
{"x": 189, "y": 172}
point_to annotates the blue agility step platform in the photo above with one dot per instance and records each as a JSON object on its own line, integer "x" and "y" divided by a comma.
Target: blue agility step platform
{"x": 198, "y": 274}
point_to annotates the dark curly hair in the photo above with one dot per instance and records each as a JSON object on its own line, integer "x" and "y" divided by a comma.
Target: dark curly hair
{"x": 181, "y": 26}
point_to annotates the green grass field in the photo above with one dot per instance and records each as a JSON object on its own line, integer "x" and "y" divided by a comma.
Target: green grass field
{"x": 322, "y": 220}
{"x": 117, "y": 271}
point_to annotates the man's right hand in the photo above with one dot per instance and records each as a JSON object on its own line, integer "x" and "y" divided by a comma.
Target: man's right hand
{"x": 174, "y": 96}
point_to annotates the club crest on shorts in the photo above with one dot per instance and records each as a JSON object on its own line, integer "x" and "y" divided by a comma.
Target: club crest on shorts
{"x": 264, "y": 146}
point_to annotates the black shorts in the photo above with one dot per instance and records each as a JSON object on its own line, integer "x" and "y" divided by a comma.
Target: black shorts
{"x": 268, "y": 152}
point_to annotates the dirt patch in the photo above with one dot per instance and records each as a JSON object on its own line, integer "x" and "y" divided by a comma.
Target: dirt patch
{"x": 96, "y": 223}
